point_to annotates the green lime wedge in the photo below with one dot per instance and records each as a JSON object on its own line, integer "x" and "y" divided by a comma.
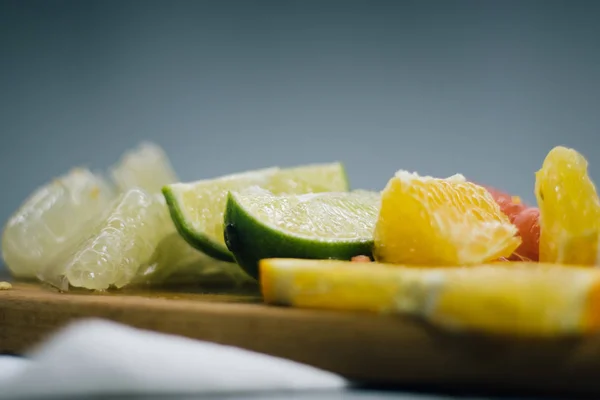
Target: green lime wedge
{"x": 197, "y": 208}
{"x": 261, "y": 225}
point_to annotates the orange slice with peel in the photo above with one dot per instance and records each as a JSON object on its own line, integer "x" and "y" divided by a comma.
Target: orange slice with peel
{"x": 527, "y": 299}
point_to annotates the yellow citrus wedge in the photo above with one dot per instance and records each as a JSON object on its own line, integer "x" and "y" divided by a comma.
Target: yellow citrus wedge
{"x": 438, "y": 222}
{"x": 506, "y": 299}
{"x": 569, "y": 209}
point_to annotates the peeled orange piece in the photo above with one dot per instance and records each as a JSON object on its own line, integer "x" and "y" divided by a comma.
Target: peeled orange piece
{"x": 569, "y": 209}
{"x": 432, "y": 221}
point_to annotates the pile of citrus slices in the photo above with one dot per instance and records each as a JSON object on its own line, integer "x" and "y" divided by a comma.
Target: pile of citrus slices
{"x": 137, "y": 225}
{"x": 454, "y": 253}
{"x": 467, "y": 257}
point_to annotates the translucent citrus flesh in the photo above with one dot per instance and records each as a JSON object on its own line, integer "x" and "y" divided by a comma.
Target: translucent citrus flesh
{"x": 49, "y": 227}
{"x": 175, "y": 262}
{"x": 52, "y": 220}
{"x": 146, "y": 167}
{"x": 137, "y": 244}
{"x": 320, "y": 216}
{"x": 314, "y": 178}
{"x": 569, "y": 209}
{"x": 115, "y": 249}
{"x": 431, "y": 221}
{"x": 520, "y": 298}
{"x": 202, "y": 203}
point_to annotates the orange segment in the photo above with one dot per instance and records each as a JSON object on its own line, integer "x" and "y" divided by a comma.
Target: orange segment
{"x": 569, "y": 209}
{"x": 510, "y": 298}
{"x": 431, "y": 221}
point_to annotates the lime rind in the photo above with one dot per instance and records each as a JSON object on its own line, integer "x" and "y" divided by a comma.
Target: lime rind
{"x": 192, "y": 236}
{"x": 252, "y": 237}
{"x": 74, "y": 259}
{"x": 197, "y": 208}
{"x": 194, "y": 207}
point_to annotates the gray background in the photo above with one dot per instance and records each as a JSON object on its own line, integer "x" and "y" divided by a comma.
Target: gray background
{"x": 484, "y": 88}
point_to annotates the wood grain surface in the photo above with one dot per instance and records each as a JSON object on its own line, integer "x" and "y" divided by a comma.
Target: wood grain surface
{"x": 364, "y": 347}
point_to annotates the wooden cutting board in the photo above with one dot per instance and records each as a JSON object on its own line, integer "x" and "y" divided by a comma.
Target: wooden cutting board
{"x": 364, "y": 347}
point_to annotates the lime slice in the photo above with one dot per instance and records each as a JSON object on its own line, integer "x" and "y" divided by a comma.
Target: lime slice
{"x": 111, "y": 255}
{"x": 146, "y": 167}
{"x": 197, "y": 208}
{"x": 52, "y": 219}
{"x": 331, "y": 225}
{"x": 314, "y": 178}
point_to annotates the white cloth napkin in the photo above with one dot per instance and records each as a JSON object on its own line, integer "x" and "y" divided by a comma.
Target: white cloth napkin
{"x": 92, "y": 357}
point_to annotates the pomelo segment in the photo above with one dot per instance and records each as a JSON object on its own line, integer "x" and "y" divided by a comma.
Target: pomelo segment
{"x": 113, "y": 251}
{"x": 146, "y": 167}
{"x": 52, "y": 220}
{"x": 176, "y": 264}
{"x": 78, "y": 232}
